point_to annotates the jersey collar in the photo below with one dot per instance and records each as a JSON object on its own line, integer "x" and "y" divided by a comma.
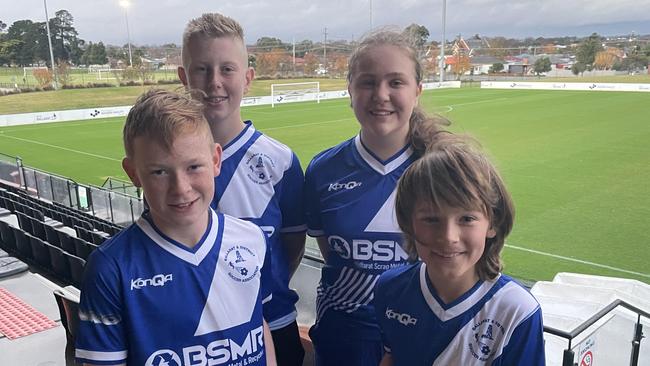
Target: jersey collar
{"x": 238, "y": 141}
{"x": 459, "y": 308}
{"x": 382, "y": 167}
{"x": 193, "y": 257}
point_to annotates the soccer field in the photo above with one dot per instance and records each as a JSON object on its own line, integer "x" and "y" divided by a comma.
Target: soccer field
{"x": 577, "y": 164}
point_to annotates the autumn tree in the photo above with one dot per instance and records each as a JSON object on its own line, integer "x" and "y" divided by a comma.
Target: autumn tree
{"x": 339, "y": 65}
{"x": 269, "y": 63}
{"x": 43, "y": 77}
{"x": 462, "y": 65}
{"x": 311, "y": 63}
{"x": 605, "y": 60}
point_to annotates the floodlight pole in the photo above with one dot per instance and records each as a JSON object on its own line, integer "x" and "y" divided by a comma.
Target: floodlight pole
{"x": 49, "y": 41}
{"x": 442, "y": 45}
{"x": 125, "y": 5}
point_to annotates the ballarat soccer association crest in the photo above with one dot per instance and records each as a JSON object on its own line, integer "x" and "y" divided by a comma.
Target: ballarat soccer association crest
{"x": 488, "y": 335}
{"x": 242, "y": 263}
{"x": 260, "y": 168}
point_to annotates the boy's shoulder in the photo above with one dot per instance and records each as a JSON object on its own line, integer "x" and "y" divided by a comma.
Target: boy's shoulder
{"x": 259, "y": 145}
{"x": 241, "y": 232}
{"x": 512, "y": 295}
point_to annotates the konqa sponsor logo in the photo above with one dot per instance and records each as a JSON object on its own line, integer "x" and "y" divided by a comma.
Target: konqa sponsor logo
{"x": 347, "y": 186}
{"x": 403, "y": 318}
{"x": 158, "y": 280}
{"x": 220, "y": 352}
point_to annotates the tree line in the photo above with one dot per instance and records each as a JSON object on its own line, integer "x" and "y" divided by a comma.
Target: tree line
{"x": 25, "y": 43}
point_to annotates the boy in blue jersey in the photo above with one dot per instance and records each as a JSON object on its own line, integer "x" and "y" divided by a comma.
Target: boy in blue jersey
{"x": 350, "y": 196}
{"x": 184, "y": 284}
{"x": 261, "y": 180}
{"x": 454, "y": 307}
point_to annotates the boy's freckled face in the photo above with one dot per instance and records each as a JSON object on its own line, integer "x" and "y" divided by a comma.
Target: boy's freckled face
{"x": 179, "y": 183}
{"x": 219, "y": 68}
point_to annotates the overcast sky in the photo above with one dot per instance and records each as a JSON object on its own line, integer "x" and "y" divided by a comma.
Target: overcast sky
{"x": 155, "y": 22}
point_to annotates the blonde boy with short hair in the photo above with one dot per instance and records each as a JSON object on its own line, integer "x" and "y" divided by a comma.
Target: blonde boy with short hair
{"x": 261, "y": 178}
{"x": 183, "y": 284}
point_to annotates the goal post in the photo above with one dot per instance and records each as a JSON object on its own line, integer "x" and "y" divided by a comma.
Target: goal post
{"x": 295, "y": 92}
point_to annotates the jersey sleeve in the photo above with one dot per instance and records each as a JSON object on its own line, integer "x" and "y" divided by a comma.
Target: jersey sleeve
{"x": 101, "y": 334}
{"x": 266, "y": 279}
{"x": 291, "y": 198}
{"x": 526, "y": 345}
{"x": 312, "y": 203}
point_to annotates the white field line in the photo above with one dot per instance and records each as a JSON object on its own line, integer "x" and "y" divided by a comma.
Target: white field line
{"x": 60, "y": 148}
{"x": 41, "y": 126}
{"x": 306, "y": 124}
{"x": 578, "y": 261}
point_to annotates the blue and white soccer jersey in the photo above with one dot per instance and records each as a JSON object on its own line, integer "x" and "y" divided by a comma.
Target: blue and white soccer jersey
{"x": 148, "y": 300}
{"x": 261, "y": 181}
{"x": 350, "y": 201}
{"x": 495, "y": 323}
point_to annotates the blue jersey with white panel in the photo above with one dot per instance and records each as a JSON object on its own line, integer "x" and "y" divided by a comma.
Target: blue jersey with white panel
{"x": 495, "y": 323}
{"x": 261, "y": 181}
{"x": 148, "y": 300}
{"x": 350, "y": 201}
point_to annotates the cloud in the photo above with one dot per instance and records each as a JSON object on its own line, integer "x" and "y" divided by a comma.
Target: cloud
{"x": 162, "y": 21}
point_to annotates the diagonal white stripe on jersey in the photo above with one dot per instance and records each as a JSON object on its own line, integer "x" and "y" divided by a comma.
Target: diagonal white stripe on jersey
{"x": 242, "y": 184}
{"x": 385, "y": 220}
{"x": 510, "y": 300}
{"x": 187, "y": 256}
{"x": 219, "y": 312}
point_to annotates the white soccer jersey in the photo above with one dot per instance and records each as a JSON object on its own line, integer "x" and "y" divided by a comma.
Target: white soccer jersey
{"x": 350, "y": 200}
{"x": 495, "y": 323}
{"x": 148, "y": 300}
{"x": 261, "y": 181}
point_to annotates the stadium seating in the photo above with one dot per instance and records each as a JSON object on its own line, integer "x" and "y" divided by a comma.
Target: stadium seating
{"x": 24, "y": 248}
{"x": 7, "y": 238}
{"x": 76, "y": 268}
{"x": 68, "y": 303}
{"x": 40, "y": 252}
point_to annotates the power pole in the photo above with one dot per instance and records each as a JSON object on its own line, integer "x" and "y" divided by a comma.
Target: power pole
{"x": 325, "y": 47}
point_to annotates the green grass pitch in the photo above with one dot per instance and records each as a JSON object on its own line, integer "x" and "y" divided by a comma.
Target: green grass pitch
{"x": 577, "y": 164}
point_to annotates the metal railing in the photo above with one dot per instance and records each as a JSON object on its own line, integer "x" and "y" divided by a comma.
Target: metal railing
{"x": 116, "y": 207}
{"x": 569, "y": 355}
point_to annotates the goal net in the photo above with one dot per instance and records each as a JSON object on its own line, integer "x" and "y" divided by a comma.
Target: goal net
{"x": 295, "y": 92}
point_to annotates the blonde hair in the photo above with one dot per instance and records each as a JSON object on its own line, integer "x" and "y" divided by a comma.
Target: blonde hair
{"x": 422, "y": 128}
{"x": 162, "y": 115}
{"x": 455, "y": 173}
{"x": 211, "y": 25}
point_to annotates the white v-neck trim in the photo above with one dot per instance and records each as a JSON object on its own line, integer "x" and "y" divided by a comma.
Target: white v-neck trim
{"x": 377, "y": 165}
{"x": 193, "y": 258}
{"x": 458, "y": 309}
{"x": 239, "y": 141}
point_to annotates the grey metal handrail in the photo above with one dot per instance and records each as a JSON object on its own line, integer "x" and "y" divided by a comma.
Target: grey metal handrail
{"x": 568, "y": 356}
